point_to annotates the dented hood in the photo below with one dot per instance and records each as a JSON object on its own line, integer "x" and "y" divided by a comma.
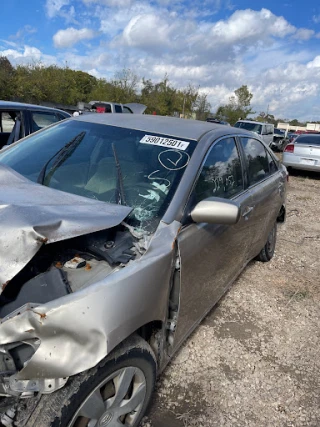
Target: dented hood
{"x": 32, "y": 215}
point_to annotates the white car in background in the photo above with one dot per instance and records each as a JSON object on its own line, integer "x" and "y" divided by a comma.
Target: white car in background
{"x": 264, "y": 130}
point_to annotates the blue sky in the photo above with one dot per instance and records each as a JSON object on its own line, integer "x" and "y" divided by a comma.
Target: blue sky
{"x": 217, "y": 45}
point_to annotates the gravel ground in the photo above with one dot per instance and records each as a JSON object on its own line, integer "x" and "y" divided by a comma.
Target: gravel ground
{"x": 254, "y": 360}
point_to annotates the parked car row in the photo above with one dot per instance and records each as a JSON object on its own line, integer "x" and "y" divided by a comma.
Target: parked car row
{"x": 18, "y": 120}
{"x": 138, "y": 225}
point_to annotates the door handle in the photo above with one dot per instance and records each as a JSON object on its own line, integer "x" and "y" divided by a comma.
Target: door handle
{"x": 247, "y": 210}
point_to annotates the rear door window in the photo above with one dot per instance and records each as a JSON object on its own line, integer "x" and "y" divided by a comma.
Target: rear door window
{"x": 272, "y": 164}
{"x": 11, "y": 127}
{"x": 41, "y": 119}
{"x": 308, "y": 139}
{"x": 256, "y": 158}
{"x": 7, "y": 121}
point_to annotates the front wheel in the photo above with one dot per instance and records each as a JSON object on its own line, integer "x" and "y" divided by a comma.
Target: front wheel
{"x": 267, "y": 251}
{"x": 115, "y": 393}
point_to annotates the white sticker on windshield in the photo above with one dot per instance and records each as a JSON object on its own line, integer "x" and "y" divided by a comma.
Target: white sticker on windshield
{"x": 164, "y": 142}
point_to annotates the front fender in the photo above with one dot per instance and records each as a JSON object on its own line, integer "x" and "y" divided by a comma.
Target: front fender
{"x": 80, "y": 329}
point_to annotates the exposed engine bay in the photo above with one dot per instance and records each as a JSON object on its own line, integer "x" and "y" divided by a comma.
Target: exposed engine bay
{"x": 64, "y": 267}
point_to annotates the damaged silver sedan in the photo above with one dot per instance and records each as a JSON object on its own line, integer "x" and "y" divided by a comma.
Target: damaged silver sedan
{"x": 118, "y": 235}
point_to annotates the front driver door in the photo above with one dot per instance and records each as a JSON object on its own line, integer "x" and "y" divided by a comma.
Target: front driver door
{"x": 212, "y": 255}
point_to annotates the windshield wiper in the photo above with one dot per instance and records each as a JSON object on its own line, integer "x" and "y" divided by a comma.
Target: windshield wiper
{"x": 121, "y": 200}
{"x": 61, "y": 155}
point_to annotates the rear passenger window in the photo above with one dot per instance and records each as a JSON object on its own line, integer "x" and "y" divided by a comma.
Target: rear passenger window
{"x": 221, "y": 175}
{"x": 7, "y": 121}
{"x": 272, "y": 164}
{"x": 257, "y": 160}
{"x": 42, "y": 119}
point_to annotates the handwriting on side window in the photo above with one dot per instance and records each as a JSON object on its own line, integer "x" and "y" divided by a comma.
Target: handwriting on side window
{"x": 221, "y": 183}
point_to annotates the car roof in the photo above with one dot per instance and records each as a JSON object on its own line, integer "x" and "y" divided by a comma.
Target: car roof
{"x": 16, "y": 105}
{"x": 308, "y": 135}
{"x": 253, "y": 121}
{"x": 179, "y": 128}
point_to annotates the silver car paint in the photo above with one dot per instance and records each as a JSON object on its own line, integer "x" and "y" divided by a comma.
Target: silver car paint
{"x": 211, "y": 257}
{"x": 78, "y": 330}
{"x": 304, "y": 157}
{"x": 216, "y": 212}
{"x": 32, "y": 215}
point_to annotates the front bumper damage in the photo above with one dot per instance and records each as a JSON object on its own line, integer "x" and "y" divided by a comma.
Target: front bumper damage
{"x": 73, "y": 333}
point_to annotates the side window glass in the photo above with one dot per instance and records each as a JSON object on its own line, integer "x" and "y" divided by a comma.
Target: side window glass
{"x": 221, "y": 175}
{"x": 256, "y": 158}
{"x": 41, "y": 119}
{"x": 118, "y": 108}
{"x": 7, "y": 121}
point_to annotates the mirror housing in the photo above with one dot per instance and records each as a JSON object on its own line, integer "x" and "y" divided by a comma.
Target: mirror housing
{"x": 215, "y": 210}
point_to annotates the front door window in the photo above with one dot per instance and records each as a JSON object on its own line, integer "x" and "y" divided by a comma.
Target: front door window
{"x": 221, "y": 175}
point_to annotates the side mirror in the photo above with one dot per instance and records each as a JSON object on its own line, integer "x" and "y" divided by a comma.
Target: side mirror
{"x": 215, "y": 210}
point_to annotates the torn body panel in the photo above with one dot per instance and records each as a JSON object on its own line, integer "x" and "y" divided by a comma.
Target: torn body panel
{"x": 32, "y": 215}
{"x": 78, "y": 330}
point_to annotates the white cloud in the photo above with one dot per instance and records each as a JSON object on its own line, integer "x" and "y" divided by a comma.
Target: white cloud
{"x": 315, "y": 63}
{"x": 114, "y": 21}
{"x": 27, "y": 55}
{"x": 207, "y": 41}
{"x": 58, "y": 8}
{"x": 303, "y": 34}
{"x": 71, "y": 36}
{"x": 54, "y": 7}
{"x": 23, "y": 32}
{"x": 248, "y": 24}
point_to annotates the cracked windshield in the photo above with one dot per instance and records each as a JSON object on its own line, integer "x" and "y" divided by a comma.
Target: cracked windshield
{"x": 106, "y": 163}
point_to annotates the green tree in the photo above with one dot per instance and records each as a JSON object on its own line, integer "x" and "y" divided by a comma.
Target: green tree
{"x": 238, "y": 106}
{"x": 124, "y": 86}
{"x": 296, "y": 122}
{"x": 159, "y": 97}
{"x": 7, "y": 75}
{"x": 266, "y": 118}
{"x": 202, "y": 107}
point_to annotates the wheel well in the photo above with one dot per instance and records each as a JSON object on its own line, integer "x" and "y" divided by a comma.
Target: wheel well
{"x": 146, "y": 331}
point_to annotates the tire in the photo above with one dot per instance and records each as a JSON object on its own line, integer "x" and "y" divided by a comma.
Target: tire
{"x": 267, "y": 252}
{"x": 127, "y": 374}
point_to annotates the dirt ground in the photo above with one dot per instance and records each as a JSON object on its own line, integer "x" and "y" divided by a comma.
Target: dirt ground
{"x": 255, "y": 360}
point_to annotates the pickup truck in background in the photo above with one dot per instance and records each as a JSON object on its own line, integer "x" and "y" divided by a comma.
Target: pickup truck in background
{"x": 114, "y": 107}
